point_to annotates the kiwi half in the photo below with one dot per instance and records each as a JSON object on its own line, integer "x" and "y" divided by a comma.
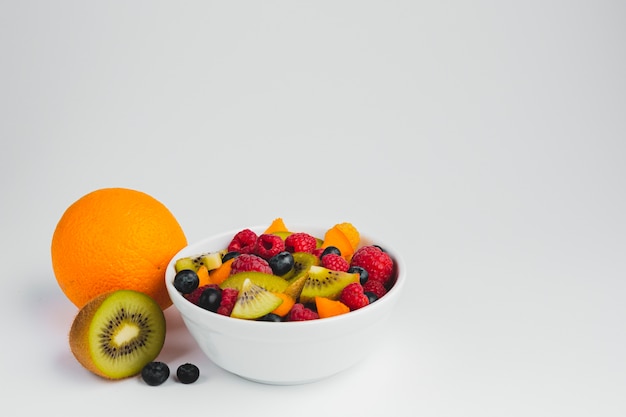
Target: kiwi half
{"x": 323, "y": 282}
{"x": 116, "y": 334}
{"x": 254, "y": 301}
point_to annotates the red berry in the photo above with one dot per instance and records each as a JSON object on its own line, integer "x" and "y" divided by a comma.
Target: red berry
{"x": 268, "y": 245}
{"x": 375, "y": 287}
{"x": 301, "y": 313}
{"x": 243, "y": 242}
{"x": 335, "y": 262}
{"x": 318, "y": 252}
{"x": 229, "y": 298}
{"x": 353, "y": 296}
{"x": 249, "y": 262}
{"x": 300, "y": 242}
{"x": 377, "y": 263}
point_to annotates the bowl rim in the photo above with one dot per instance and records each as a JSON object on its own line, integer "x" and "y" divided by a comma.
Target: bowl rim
{"x": 198, "y": 314}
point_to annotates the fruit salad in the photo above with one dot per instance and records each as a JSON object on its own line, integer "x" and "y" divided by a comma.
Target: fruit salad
{"x": 287, "y": 275}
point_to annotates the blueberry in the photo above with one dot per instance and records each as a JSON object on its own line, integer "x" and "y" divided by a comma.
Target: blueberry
{"x": 281, "y": 263}
{"x": 363, "y": 274}
{"x": 186, "y": 281}
{"x": 271, "y": 317}
{"x": 329, "y": 250}
{"x": 155, "y": 373}
{"x": 187, "y": 373}
{"x": 210, "y": 299}
{"x": 230, "y": 255}
{"x": 371, "y": 296}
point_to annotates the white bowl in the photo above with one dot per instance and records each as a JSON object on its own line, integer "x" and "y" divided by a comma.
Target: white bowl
{"x": 285, "y": 353}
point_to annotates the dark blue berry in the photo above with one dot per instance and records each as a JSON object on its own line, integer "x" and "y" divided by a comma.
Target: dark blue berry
{"x": 329, "y": 250}
{"x": 187, "y": 373}
{"x": 230, "y": 255}
{"x": 271, "y": 317}
{"x": 210, "y": 299}
{"x": 371, "y": 296}
{"x": 186, "y": 281}
{"x": 363, "y": 274}
{"x": 281, "y": 263}
{"x": 155, "y": 373}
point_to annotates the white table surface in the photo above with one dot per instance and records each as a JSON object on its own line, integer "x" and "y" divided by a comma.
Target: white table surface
{"x": 485, "y": 139}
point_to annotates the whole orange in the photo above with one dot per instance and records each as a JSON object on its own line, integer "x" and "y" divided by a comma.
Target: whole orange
{"x": 115, "y": 238}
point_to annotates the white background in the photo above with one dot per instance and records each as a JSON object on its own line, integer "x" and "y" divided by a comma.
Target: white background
{"x": 485, "y": 139}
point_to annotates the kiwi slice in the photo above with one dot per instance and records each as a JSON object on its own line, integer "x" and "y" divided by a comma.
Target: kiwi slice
{"x": 211, "y": 260}
{"x": 116, "y": 334}
{"x": 254, "y": 301}
{"x": 270, "y": 282}
{"x": 302, "y": 261}
{"x": 324, "y": 282}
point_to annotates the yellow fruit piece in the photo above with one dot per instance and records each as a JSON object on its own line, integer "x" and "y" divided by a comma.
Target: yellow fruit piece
{"x": 278, "y": 225}
{"x": 112, "y": 239}
{"x": 351, "y": 233}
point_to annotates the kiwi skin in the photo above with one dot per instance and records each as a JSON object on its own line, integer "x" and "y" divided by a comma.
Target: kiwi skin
{"x": 86, "y": 331}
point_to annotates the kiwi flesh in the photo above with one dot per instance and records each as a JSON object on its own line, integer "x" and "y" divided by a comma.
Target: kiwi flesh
{"x": 270, "y": 282}
{"x": 116, "y": 334}
{"x": 211, "y": 260}
{"x": 302, "y": 261}
{"x": 254, "y": 301}
{"x": 323, "y": 282}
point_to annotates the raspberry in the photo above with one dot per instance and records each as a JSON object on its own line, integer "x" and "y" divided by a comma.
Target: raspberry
{"x": 318, "y": 252}
{"x": 335, "y": 262}
{"x": 300, "y": 242}
{"x": 249, "y": 262}
{"x": 229, "y": 297}
{"x": 243, "y": 242}
{"x": 194, "y": 296}
{"x": 377, "y": 263}
{"x": 301, "y": 313}
{"x": 268, "y": 246}
{"x": 375, "y": 287}
{"x": 353, "y": 296}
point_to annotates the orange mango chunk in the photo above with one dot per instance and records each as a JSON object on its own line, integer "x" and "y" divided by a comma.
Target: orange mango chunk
{"x": 335, "y": 237}
{"x": 203, "y": 275}
{"x": 329, "y": 308}
{"x": 283, "y": 309}
{"x": 351, "y": 233}
{"x": 278, "y": 225}
{"x": 222, "y": 272}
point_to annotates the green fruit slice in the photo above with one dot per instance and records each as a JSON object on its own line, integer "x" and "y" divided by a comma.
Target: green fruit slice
{"x": 211, "y": 260}
{"x": 270, "y": 282}
{"x": 254, "y": 301}
{"x": 323, "y": 282}
{"x": 116, "y": 334}
{"x": 302, "y": 261}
